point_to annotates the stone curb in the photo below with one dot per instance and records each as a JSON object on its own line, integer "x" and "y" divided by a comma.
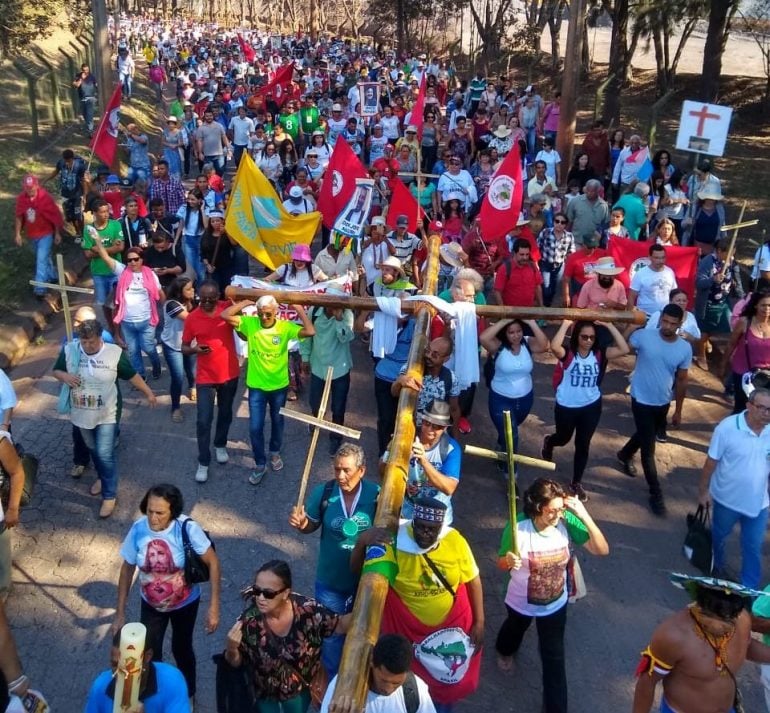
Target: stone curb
{"x": 19, "y": 328}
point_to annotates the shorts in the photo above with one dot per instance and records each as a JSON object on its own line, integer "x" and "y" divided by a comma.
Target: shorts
{"x": 73, "y": 208}
{"x": 665, "y": 708}
{"x": 103, "y": 285}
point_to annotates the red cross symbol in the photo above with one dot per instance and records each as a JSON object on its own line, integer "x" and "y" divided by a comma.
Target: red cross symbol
{"x": 703, "y": 116}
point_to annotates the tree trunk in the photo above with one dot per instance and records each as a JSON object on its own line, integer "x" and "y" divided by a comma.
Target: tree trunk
{"x": 585, "y": 58}
{"x": 618, "y": 62}
{"x": 686, "y": 32}
{"x": 660, "y": 62}
{"x": 716, "y": 36}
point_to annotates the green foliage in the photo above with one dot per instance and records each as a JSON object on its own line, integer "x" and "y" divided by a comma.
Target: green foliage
{"x": 22, "y": 21}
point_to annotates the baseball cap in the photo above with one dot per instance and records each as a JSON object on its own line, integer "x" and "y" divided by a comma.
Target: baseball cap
{"x": 402, "y": 221}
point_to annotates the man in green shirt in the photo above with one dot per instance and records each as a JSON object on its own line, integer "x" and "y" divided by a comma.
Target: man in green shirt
{"x": 111, "y": 234}
{"x": 343, "y": 508}
{"x": 309, "y": 119}
{"x": 267, "y": 372}
{"x": 289, "y": 119}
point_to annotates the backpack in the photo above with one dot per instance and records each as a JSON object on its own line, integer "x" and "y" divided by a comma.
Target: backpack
{"x": 489, "y": 364}
{"x": 446, "y": 376}
{"x": 563, "y": 364}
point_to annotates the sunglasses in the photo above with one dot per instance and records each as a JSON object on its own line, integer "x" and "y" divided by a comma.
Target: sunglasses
{"x": 561, "y": 222}
{"x": 134, "y": 259}
{"x": 266, "y": 593}
{"x": 588, "y": 337}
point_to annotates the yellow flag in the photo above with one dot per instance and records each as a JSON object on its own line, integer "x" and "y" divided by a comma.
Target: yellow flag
{"x": 257, "y": 220}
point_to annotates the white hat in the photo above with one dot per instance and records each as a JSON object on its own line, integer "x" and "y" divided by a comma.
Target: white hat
{"x": 528, "y": 88}
{"x": 710, "y": 194}
{"x": 411, "y": 129}
{"x": 295, "y": 192}
{"x": 502, "y": 132}
{"x": 336, "y": 107}
{"x": 522, "y": 220}
{"x": 606, "y": 266}
{"x": 378, "y": 220}
{"x": 393, "y": 262}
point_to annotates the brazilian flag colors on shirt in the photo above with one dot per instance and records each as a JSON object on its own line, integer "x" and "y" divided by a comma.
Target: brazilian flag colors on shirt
{"x": 258, "y": 222}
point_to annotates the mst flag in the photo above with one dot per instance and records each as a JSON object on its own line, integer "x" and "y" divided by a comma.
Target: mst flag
{"x": 402, "y": 202}
{"x": 280, "y": 85}
{"x": 418, "y": 110}
{"x": 105, "y": 140}
{"x": 502, "y": 203}
{"x": 339, "y": 182}
{"x": 634, "y": 255}
{"x": 257, "y": 220}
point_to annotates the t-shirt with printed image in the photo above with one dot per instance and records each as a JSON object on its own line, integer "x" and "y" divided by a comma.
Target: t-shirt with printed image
{"x": 268, "y": 352}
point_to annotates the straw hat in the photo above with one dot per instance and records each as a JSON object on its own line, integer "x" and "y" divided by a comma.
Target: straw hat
{"x": 393, "y": 262}
{"x": 522, "y": 220}
{"x": 606, "y": 266}
{"x": 502, "y": 132}
{"x": 450, "y": 254}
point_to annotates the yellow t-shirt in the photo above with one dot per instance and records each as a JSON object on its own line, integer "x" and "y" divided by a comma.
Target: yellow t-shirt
{"x": 414, "y": 581}
{"x": 268, "y": 366}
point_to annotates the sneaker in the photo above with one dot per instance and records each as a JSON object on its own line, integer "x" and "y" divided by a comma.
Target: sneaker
{"x": 258, "y": 474}
{"x": 464, "y": 425}
{"x": 221, "y": 455}
{"x": 627, "y": 465}
{"x": 657, "y": 505}
{"x": 156, "y": 372}
{"x": 177, "y": 416}
{"x": 662, "y": 435}
{"x": 577, "y": 490}
{"x": 107, "y": 508}
{"x": 202, "y": 474}
{"x": 546, "y": 452}
{"x": 77, "y": 471}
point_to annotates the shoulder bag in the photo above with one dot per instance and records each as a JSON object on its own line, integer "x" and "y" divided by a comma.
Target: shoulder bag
{"x": 195, "y": 569}
{"x": 72, "y": 362}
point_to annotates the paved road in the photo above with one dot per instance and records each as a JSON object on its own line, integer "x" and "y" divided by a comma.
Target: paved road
{"x": 66, "y": 560}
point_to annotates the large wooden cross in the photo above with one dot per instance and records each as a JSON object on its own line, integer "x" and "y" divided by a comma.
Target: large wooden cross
{"x": 63, "y": 289}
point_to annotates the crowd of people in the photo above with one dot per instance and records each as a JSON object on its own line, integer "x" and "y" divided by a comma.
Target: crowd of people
{"x": 160, "y": 259}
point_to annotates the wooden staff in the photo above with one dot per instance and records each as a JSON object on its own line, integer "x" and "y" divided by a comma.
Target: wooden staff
{"x": 550, "y": 314}
{"x": 314, "y": 436}
{"x": 511, "y": 480}
{"x": 733, "y": 240}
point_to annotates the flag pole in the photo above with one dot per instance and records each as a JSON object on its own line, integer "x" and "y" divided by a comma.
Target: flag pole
{"x": 99, "y": 130}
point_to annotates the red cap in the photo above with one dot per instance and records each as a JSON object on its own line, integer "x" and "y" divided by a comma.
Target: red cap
{"x": 30, "y": 181}
{"x": 436, "y": 226}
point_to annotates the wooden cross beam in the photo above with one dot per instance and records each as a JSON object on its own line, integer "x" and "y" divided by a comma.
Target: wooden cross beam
{"x": 320, "y": 423}
{"x": 735, "y": 227}
{"x": 63, "y": 289}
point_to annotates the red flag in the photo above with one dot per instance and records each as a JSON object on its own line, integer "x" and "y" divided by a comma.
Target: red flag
{"x": 280, "y": 84}
{"x": 247, "y": 49}
{"x": 104, "y": 142}
{"x": 418, "y": 110}
{"x": 502, "y": 204}
{"x": 402, "y": 202}
{"x": 634, "y": 255}
{"x": 339, "y": 182}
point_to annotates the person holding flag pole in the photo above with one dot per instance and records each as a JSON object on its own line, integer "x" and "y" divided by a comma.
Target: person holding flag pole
{"x": 104, "y": 142}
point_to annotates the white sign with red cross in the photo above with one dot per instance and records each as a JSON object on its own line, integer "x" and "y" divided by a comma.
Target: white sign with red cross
{"x": 703, "y": 128}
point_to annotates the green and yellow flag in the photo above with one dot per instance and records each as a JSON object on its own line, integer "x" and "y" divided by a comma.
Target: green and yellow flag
{"x": 257, "y": 220}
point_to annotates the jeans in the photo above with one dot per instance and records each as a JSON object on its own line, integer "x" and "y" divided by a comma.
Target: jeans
{"x": 182, "y": 630}
{"x": 331, "y": 648}
{"x": 550, "y": 635}
{"x": 80, "y": 453}
{"x": 237, "y": 153}
{"x": 126, "y": 82}
{"x": 752, "y": 536}
{"x": 136, "y": 173}
{"x": 339, "y": 400}
{"x": 192, "y": 253}
{"x": 100, "y": 441}
{"x": 140, "y": 337}
{"x": 582, "y": 422}
{"x": 179, "y": 366}
{"x": 531, "y": 140}
{"x": 87, "y": 107}
{"x": 44, "y": 269}
{"x": 225, "y": 395}
{"x": 551, "y": 274}
{"x": 519, "y": 409}
{"x": 218, "y": 162}
{"x": 259, "y": 400}
{"x": 386, "y": 412}
{"x": 648, "y": 419}
{"x": 103, "y": 285}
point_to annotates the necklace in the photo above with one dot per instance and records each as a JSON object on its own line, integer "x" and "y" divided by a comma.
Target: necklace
{"x": 718, "y": 643}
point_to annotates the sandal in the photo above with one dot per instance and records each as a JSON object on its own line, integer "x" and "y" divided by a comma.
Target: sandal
{"x": 275, "y": 462}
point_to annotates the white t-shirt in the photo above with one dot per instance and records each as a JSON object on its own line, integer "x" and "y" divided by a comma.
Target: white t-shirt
{"x": 394, "y": 703}
{"x": 652, "y": 288}
{"x": 513, "y": 373}
{"x": 242, "y": 129}
{"x": 137, "y": 297}
{"x": 579, "y": 386}
{"x": 7, "y": 394}
{"x": 390, "y": 126}
{"x": 551, "y": 159}
{"x": 690, "y": 324}
{"x": 739, "y": 481}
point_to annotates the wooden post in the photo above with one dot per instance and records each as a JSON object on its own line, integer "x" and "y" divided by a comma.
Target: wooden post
{"x": 352, "y": 679}
{"x": 509, "y": 447}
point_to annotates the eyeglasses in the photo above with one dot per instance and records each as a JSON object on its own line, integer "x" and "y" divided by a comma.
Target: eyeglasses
{"x": 588, "y": 337}
{"x": 761, "y": 408}
{"x": 134, "y": 259}
{"x": 560, "y": 222}
{"x": 266, "y": 593}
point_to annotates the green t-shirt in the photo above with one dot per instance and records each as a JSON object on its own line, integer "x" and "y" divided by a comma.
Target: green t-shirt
{"x": 290, "y": 123}
{"x": 110, "y": 234}
{"x": 333, "y": 569}
{"x": 268, "y": 367}
{"x": 310, "y": 119}
{"x": 761, "y": 607}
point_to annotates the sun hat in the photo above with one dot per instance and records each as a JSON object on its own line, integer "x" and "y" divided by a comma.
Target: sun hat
{"x": 502, "y": 132}
{"x": 437, "y": 412}
{"x": 710, "y": 194}
{"x": 606, "y": 266}
{"x": 522, "y": 220}
{"x": 394, "y": 263}
{"x": 295, "y": 192}
{"x": 450, "y": 254}
{"x": 301, "y": 252}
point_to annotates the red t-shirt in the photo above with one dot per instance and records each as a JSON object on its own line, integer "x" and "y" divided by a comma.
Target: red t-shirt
{"x": 518, "y": 290}
{"x": 580, "y": 265}
{"x": 481, "y": 254}
{"x": 115, "y": 199}
{"x": 40, "y": 216}
{"x": 221, "y": 363}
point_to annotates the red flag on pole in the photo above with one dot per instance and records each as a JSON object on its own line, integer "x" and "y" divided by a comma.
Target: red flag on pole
{"x": 247, "y": 49}
{"x": 633, "y": 255}
{"x": 418, "y": 110}
{"x": 339, "y": 182}
{"x": 279, "y": 86}
{"x": 402, "y": 202}
{"x": 105, "y": 139}
{"x": 502, "y": 203}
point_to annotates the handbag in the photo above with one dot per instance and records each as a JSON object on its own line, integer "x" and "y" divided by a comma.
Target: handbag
{"x": 30, "y": 464}
{"x": 697, "y": 546}
{"x": 195, "y": 569}
{"x": 233, "y": 688}
{"x": 72, "y": 361}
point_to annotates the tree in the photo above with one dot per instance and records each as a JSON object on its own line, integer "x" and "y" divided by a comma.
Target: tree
{"x": 620, "y": 58}
{"x": 23, "y": 22}
{"x": 756, "y": 22}
{"x": 721, "y": 13}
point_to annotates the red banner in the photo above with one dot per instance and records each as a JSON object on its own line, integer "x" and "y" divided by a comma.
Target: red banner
{"x": 502, "y": 203}
{"x": 280, "y": 85}
{"x": 247, "y": 49}
{"x": 105, "y": 139}
{"x": 339, "y": 182}
{"x": 402, "y": 202}
{"x": 633, "y": 255}
{"x": 418, "y": 110}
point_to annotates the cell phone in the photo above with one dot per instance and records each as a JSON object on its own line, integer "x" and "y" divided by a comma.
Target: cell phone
{"x": 205, "y": 348}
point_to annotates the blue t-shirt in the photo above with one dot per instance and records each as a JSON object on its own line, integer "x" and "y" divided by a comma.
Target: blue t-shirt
{"x": 445, "y": 456}
{"x": 657, "y": 362}
{"x": 167, "y": 693}
{"x": 390, "y": 365}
